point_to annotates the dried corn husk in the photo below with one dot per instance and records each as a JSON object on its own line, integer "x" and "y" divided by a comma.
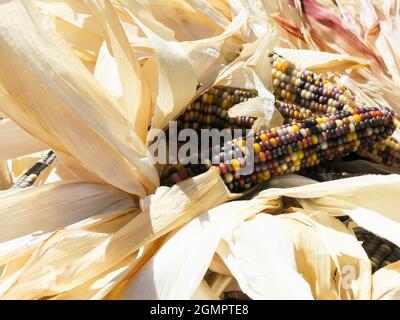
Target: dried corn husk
{"x": 16, "y": 142}
{"x": 91, "y": 252}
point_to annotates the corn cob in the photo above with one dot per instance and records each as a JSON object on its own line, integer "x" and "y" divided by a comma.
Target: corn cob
{"x": 294, "y": 85}
{"x": 30, "y": 176}
{"x": 292, "y": 147}
{"x": 210, "y": 110}
{"x": 315, "y": 95}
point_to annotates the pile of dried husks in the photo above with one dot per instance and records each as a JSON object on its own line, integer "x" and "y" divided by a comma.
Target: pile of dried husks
{"x": 301, "y": 204}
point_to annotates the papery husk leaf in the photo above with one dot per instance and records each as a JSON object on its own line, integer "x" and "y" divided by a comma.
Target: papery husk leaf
{"x": 370, "y": 200}
{"x": 52, "y": 206}
{"x": 16, "y": 142}
{"x": 260, "y": 255}
{"x": 386, "y": 283}
{"x": 204, "y": 292}
{"x": 5, "y": 175}
{"x": 177, "y": 80}
{"x": 106, "y": 72}
{"x": 352, "y": 265}
{"x": 208, "y": 10}
{"x": 210, "y": 55}
{"x": 66, "y": 87}
{"x": 218, "y": 283}
{"x": 192, "y": 247}
{"x": 320, "y": 62}
{"x": 86, "y": 45}
{"x": 102, "y": 286}
{"x": 91, "y": 253}
{"x": 134, "y": 96}
{"x": 187, "y": 22}
{"x": 141, "y": 11}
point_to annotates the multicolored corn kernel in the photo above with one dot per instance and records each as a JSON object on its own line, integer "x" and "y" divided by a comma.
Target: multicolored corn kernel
{"x": 210, "y": 110}
{"x": 295, "y": 85}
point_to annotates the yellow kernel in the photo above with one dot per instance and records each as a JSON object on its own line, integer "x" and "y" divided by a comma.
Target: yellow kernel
{"x": 314, "y": 139}
{"x": 265, "y": 177}
{"x": 264, "y": 137}
{"x": 273, "y": 142}
{"x": 241, "y": 143}
{"x": 294, "y": 128}
{"x": 257, "y": 148}
{"x": 224, "y": 104}
{"x": 357, "y": 118}
{"x": 314, "y": 156}
{"x": 300, "y": 154}
{"x": 235, "y": 164}
{"x": 210, "y": 98}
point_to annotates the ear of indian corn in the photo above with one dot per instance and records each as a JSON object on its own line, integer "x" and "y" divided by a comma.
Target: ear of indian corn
{"x": 301, "y": 94}
{"x": 295, "y": 85}
{"x": 210, "y": 110}
{"x": 299, "y": 145}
